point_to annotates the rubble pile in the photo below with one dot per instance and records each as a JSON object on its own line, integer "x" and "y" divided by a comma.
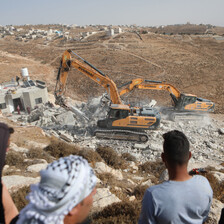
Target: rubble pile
{"x": 77, "y": 126}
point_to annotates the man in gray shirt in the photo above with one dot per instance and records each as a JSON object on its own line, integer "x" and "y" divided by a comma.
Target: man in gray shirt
{"x": 181, "y": 199}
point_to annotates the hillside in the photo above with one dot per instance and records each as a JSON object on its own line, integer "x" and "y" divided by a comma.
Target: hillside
{"x": 191, "y": 63}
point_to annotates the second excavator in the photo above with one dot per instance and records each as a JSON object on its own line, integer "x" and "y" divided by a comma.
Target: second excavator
{"x": 122, "y": 122}
{"x": 183, "y": 104}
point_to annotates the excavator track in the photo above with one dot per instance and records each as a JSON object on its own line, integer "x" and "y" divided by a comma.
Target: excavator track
{"x": 121, "y": 135}
{"x": 188, "y": 116}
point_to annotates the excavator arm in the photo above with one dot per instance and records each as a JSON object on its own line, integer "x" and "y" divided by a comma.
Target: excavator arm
{"x": 149, "y": 84}
{"x": 182, "y": 102}
{"x": 87, "y": 69}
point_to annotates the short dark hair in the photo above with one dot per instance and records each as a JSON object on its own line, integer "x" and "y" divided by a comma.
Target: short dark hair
{"x": 176, "y": 147}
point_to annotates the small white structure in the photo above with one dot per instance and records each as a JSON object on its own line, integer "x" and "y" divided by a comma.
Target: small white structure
{"x": 25, "y": 73}
{"x": 117, "y": 30}
{"x": 110, "y": 32}
{"x": 27, "y": 95}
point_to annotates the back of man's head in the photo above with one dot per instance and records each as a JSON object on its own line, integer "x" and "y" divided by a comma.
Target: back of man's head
{"x": 176, "y": 147}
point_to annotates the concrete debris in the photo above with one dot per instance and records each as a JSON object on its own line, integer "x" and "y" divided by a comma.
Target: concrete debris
{"x": 74, "y": 128}
{"x": 66, "y": 137}
{"x": 141, "y": 146}
{"x": 66, "y": 118}
{"x": 221, "y": 131}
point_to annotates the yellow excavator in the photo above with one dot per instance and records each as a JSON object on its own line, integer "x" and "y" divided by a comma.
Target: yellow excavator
{"x": 122, "y": 122}
{"x": 183, "y": 104}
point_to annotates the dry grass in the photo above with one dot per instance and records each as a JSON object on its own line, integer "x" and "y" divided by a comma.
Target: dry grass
{"x": 15, "y": 159}
{"x": 155, "y": 168}
{"x": 19, "y": 197}
{"x": 90, "y": 155}
{"x": 118, "y": 213}
{"x": 59, "y": 149}
{"x": 111, "y": 157}
{"x": 139, "y": 191}
{"x": 217, "y": 187}
{"x": 38, "y": 153}
{"x": 127, "y": 156}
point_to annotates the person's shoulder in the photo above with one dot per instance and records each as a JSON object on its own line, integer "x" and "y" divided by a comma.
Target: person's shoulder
{"x": 157, "y": 187}
{"x": 200, "y": 178}
{"x": 202, "y": 182}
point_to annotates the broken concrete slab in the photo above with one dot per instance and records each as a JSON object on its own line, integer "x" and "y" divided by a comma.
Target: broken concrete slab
{"x": 66, "y": 118}
{"x": 221, "y": 131}
{"x": 141, "y": 146}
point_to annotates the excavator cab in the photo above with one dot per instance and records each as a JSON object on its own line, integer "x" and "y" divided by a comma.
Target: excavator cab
{"x": 184, "y": 100}
{"x": 118, "y": 114}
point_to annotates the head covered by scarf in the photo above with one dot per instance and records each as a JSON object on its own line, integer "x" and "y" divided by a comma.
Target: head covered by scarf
{"x": 64, "y": 184}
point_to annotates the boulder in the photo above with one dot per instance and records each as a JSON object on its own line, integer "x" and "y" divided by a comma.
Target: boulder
{"x": 133, "y": 166}
{"x": 101, "y": 167}
{"x": 14, "y": 182}
{"x": 132, "y": 198}
{"x": 33, "y": 144}
{"x": 103, "y": 198}
{"x": 215, "y": 210}
{"x": 16, "y": 148}
{"x": 36, "y": 168}
{"x": 218, "y": 175}
{"x": 147, "y": 183}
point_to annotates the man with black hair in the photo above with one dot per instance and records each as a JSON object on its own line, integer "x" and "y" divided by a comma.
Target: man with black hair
{"x": 181, "y": 199}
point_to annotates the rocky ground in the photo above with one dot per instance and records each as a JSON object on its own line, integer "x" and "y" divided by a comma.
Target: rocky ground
{"x": 124, "y": 169}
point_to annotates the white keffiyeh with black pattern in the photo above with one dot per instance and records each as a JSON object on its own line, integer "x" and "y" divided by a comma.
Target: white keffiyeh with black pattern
{"x": 64, "y": 184}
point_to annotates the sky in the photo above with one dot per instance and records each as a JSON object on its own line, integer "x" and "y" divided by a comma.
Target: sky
{"x": 114, "y": 12}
